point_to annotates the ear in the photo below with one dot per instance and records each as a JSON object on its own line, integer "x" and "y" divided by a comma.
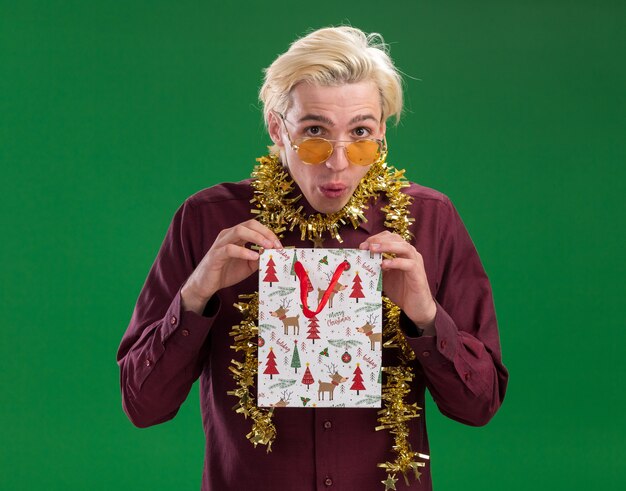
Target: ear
{"x": 274, "y": 126}
{"x": 383, "y": 129}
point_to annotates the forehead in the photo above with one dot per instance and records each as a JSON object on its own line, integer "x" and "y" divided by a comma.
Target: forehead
{"x": 335, "y": 104}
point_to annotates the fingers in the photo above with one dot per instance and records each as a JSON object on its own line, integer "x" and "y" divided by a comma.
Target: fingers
{"x": 250, "y": 232}
{"x": 400, "y": 264}
{"x": 402, "y": 249}
{"x": 233, "y": 251}
{"x": 389, "y": 245}
{"x": 265, "y": 232}
{"x": 380, "y": 238}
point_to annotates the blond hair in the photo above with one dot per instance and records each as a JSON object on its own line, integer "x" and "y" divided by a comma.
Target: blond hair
{"x": 329, "y": 57}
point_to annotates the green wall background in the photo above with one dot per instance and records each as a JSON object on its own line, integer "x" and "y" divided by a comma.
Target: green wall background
{"x": 112, "y": 113}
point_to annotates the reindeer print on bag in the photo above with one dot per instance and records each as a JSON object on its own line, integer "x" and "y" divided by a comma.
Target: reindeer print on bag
{"x": 281, "y": 313}
{"x": 336, "y": 289}
{"x": 335, "y": 380}
{"x": 284, "y": 399}
{"x": 375, "y": 337}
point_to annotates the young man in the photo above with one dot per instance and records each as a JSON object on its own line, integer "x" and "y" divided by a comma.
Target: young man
{"x": 326, "y": 104}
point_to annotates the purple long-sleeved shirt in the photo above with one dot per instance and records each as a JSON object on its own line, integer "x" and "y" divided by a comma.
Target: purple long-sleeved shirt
{"x": 166, "y": 349}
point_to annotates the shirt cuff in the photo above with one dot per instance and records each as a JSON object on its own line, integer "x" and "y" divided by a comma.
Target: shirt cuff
{"x": 186, "y": 329}
{"x": 433, "y": 350}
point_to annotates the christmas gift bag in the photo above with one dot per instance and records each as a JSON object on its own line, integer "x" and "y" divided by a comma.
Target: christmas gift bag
{"x": 320, "y": 328}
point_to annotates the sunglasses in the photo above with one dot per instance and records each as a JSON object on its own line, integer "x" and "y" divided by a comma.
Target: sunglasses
{"x": 316, "y": 150}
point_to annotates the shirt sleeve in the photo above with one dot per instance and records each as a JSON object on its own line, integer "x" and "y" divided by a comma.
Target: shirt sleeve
{"x": 462, "y": 363}
{"x": 161, "y": 353}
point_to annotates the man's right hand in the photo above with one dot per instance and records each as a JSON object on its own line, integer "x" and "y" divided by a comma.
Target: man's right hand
{"x": 227, "y": 263}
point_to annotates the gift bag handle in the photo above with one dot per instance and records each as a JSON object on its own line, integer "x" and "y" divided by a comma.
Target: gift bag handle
{"x": 303, "y": 276}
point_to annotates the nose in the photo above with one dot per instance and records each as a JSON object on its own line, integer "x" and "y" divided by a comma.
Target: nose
{"x": 338, "y": 160}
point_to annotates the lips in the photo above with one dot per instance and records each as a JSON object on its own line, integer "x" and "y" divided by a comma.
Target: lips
{"x": 333, "y": 189}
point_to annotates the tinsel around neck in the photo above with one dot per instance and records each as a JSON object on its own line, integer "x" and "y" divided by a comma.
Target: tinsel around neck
{"x": 279, "y": 209}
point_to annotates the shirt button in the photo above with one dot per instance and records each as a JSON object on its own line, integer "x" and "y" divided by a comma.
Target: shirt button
{"x": 148, "y": 362}
{"x": 425, "y": 354}
{"x": 173, "y": 320}
{"x": 328, "y": 481}
{"x": 185, "y": 332}
{"x": 328, "y": 425}
{"x": 443, "y": 343}
{"x": 467, "y": 376}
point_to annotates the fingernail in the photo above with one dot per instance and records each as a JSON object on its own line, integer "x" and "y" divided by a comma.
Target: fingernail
{"x": 278, "y": 245}
{"x": 375, "y": 246}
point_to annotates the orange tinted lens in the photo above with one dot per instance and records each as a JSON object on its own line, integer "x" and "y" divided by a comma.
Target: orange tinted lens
{"x": 314, "y": 151}
{"x": 363, "y": 152}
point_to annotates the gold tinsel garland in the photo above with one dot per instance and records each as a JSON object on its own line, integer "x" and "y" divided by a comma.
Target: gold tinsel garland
{"x": 279, "y": 212}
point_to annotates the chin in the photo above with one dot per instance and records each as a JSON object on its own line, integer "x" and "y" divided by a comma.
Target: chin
{"x": 326, "y": 205}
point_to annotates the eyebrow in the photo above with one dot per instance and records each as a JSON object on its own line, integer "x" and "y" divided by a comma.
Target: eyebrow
{"x": 324, "y": 119}
{"x": 363, "y": 117}
{"x": 316, "y": 117}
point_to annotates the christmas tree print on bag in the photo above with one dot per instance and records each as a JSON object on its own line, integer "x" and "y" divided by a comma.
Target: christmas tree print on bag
{"x": 320, "y": 328}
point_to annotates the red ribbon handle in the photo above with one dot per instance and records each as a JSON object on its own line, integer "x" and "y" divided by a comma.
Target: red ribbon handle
{"x": 304, "y": 285}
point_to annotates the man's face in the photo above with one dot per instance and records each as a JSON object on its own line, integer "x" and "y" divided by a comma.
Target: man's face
{"x": 346, "y": 112}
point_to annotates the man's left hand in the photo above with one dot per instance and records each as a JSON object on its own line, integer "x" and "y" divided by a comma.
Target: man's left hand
{"x": 404, "y": 279}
